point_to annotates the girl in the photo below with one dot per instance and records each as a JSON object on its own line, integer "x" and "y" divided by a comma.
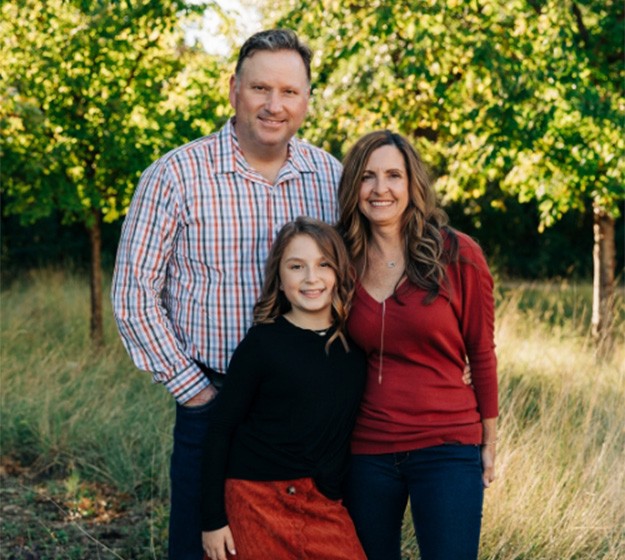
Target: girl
{"x": 278, "y": 444}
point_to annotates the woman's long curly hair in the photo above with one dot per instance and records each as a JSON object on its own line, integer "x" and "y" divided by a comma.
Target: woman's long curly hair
{"x": 423, "y": 221}
{"x": 272, "y": 302}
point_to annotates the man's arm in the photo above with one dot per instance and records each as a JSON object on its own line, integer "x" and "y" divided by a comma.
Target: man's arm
{"x": 145, "y": 248}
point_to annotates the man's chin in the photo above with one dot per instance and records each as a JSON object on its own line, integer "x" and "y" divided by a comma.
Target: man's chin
{"x": 273, "y": 140}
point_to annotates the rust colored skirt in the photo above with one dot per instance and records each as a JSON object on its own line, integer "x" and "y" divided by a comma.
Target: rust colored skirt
{"x": 288, "y": 520}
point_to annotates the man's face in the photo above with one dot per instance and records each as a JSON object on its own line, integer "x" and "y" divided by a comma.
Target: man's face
{"x": 270, "y": 99}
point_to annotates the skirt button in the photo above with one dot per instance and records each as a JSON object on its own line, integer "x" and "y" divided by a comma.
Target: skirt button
{"x": 290, "y": 490}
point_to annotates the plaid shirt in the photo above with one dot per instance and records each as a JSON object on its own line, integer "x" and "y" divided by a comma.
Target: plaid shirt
{"x": 193, "y": 246}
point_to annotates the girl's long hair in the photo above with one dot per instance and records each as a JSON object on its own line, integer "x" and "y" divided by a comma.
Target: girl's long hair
{"x": 423, "y": 222}
{"x": 272, "y": 302}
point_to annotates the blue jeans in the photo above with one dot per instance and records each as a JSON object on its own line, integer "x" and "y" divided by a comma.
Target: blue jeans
{"x": 185, "y": 529}
{"x": 444, "y": 484}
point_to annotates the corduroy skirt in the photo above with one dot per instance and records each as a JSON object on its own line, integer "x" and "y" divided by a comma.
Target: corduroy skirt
{"x": 288, "y": 520}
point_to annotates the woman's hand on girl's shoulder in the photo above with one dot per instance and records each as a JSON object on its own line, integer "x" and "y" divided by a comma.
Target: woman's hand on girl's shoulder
{"x": 218, "y": 543}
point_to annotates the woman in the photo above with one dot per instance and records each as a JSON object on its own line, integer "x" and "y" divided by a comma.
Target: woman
{"x": 278, "y": 444}
{"x": 423, "y": 306}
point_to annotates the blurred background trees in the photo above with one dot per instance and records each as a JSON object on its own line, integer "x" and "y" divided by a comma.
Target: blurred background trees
{"x": 516, "y": 105}
{"x": 521, "y": 99}
{"x": 91, "y": 93}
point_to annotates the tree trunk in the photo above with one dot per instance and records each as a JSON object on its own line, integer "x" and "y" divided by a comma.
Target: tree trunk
{"x": 96, "y": 330}
{"x": 604, "y": 265}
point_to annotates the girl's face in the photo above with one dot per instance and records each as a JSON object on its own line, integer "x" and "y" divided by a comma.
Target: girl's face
{"x": 383, "y": 196}
{"x": 308, "y": 281}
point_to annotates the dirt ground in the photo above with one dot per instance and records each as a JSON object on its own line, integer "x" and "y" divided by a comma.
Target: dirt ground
{"x": 43, "y": 517}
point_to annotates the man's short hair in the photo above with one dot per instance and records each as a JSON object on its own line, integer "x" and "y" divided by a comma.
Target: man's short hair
{"x": 274, "y": 40}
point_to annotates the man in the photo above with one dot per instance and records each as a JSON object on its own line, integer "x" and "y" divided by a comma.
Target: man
{"x": 193, "y": 246}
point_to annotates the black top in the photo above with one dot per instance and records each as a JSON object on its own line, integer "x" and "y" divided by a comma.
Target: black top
{"x": 286, "y": 411}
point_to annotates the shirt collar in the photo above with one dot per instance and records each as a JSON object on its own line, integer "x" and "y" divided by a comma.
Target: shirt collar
{"x": 230, "y": 152}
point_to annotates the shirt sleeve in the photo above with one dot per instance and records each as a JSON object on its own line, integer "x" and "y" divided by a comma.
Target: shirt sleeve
{"x": 478, "y": 325}
{"x": 231, "y": 407}
{"x": 145, "y": 247}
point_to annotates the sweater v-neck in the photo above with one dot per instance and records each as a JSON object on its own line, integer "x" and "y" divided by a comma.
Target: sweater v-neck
{"x": 403, "y": 286}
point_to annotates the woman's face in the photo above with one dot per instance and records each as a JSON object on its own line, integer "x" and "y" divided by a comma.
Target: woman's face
{"x": 383, "y": 196}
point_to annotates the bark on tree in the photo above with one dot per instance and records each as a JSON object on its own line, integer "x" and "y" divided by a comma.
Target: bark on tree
{"x": 95, "y": 237}
{"x": 604, "y": 265}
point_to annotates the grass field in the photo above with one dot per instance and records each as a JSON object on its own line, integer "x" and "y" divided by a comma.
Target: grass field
{"x": 85, "y": 438}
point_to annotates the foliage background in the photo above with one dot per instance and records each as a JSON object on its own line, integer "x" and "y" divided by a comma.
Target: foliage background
{"x": 517, "y": 106}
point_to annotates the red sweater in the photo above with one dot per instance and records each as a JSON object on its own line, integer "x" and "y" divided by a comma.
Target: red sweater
{"x": 421, "y": 400}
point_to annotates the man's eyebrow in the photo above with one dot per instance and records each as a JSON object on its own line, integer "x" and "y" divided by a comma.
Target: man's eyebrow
{"x": 262, "y": 82}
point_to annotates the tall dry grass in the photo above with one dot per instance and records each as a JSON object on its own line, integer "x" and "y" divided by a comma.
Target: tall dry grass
{"x": 64, "y": 406}
{"x": 561, "y": 487}
{"x": 560, "y": 492}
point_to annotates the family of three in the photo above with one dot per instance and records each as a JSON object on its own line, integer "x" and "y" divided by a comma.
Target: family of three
{"x": 318, "y": 369}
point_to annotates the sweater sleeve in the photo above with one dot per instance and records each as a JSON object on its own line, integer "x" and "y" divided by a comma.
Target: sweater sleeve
{"x": 478, "y": 325}
{"x": 230, "y": 409}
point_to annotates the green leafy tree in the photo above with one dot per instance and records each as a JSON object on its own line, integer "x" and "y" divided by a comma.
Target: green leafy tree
{"x": 90, "y": 94}
{"x": 503, "y": 97}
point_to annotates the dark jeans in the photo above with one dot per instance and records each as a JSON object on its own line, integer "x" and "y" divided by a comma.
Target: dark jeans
{"x": 444, "y": 484}
{"x": 185, "y": 531}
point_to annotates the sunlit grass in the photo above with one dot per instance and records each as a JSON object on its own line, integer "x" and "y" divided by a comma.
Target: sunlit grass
{"x": 561, "y": 458}
{"x": 561, "y": 486}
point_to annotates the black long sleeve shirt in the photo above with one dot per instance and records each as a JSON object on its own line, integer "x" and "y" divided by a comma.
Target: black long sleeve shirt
{"x": 286, "y": 411}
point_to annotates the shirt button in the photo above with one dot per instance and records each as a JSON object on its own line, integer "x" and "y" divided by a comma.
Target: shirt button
{"x": 290, "y": 490}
